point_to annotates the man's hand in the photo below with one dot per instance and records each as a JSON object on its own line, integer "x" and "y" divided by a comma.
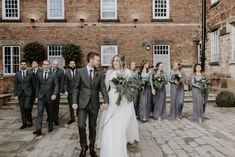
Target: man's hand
{"x": 16, "y": 97}
{"x": 75, "y": 106}
{"x": 66, "y": 94}
{"x": 104, "y": 106}
{"x": 36, "y": 100}
{"x": 53, "y": 97}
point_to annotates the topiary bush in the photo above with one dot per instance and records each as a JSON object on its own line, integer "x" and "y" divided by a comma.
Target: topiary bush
{"x": 71, "y": 52}
{"x": 34, "y": 51}
{"x": 225, "y": 99}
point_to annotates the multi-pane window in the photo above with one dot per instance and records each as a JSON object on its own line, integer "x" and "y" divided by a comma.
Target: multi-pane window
{"x": 108, "y": 9}
{"x": 107, "y": 53}
{"x": 160, "y": 9}
{"x": 215, "y": 46}
{"x": 233, "y": 43}
{"x": 11, "y": 59}
{"x": 11, "y": 9}
{"x": 214, "y": 1}
{"x": 161, "y": 49}
{"x": 55, "y": 9}
{"x": 55, "y": 53}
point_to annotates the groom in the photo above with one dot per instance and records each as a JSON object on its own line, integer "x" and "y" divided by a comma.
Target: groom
{"x": 88, "y": 83}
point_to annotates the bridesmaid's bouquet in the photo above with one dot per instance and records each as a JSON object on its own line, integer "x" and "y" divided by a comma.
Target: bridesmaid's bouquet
{"x": 180, "y": 77}
{"x": 159, "y": 81}
{"x": 204, "y": 84}
{"x": 126, "y": 87}
{"x": 145, "y": 82}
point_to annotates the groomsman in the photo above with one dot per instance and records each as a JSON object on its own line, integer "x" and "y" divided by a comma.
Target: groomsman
{"x": 23, "y": 89}
{"x": 35, "y": 71}
{"x": 60, "y": 77}
{"x": 69, "y": 86}
{"x": 47, "y": 88}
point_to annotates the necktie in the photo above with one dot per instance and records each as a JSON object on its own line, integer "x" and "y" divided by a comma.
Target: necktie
{"x": 23, "y": 76}
{"x": 45, "y": 75}
{"x": 90, "y": 76}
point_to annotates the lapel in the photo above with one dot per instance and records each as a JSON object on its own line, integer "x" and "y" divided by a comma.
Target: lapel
{"x": 94, "y": 76}
{"x": 86, "y": 75}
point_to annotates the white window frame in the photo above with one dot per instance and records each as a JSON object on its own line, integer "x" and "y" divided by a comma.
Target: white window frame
{"x": 167, "y": 11}
{"x": 215, "y": 46}
{"x": 102, "y": 9}
{"x": 233, "y": 43}
{"x": 11, "y": 60}
{"x": 4, "y": 11}
{"x": 102, "y": 48}
{"x": 214, "y": 1}
{"x": 50, "y": 57}
{"x": 49, "y": 16}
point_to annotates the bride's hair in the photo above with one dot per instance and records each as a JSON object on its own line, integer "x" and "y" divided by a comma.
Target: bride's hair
{"x": 120, "y": 59}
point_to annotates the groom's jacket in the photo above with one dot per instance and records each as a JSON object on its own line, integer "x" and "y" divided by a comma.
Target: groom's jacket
{"x": 86, "y": 90}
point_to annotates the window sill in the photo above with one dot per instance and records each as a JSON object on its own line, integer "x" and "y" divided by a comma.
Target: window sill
{"x": 162, "y": 20}
{"x": 214, "y": 64}
{"x": 8, "y": 20}
{"x": 214, "y": 4}
{"x": 56, "y": 20}
{"x": 232, "y": 62}
{"x": 108, "y": 20}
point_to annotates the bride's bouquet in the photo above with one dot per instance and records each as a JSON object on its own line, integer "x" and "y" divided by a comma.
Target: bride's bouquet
{"x": 204, "y": 84}
{"x": 126, "y": 87}
{"x": 159, "y": 81}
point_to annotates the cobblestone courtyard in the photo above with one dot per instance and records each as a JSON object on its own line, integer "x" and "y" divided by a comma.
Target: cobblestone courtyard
{"x": 214, "y": 137}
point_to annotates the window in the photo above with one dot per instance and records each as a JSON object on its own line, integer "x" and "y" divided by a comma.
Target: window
{"x": 215, "y": 46}
{"x": 11, "y": 59}
{"x": 233, "y": 43}
{"x": 55, "y": 9}
{"x": 11, "y": 9}
{"x": 214, "y": 1}
{"x": 160, "y": 9}
{"x": 107, "y": 53}
{"x": 55, "y": 53}
{"x": 108, "y": 9}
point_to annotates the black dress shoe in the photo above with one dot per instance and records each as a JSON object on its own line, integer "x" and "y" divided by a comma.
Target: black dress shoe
{"x": 30, "y": 124}
{"x": 83, "y": 152}
{"x": 50, "y": 128}
{"x": 38, "y": 132}
{"x": 24, "y": 126}
{"x": 71, "y": 121}
{"x": 93, "y": 153}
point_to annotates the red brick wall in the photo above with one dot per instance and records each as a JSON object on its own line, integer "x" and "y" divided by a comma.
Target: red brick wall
{"x": 181, "y": 32}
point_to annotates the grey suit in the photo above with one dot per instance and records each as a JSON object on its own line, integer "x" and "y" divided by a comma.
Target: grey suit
{"x": 56, "y": 104}
{"x": 45, "y": 89}
{"x": 86, "y": 95}
{"x": 68, "y": 87}
{"x": 23, "y": 88}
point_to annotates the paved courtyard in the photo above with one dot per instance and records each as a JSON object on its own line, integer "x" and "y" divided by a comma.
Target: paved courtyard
{"x": 214, "y": 137}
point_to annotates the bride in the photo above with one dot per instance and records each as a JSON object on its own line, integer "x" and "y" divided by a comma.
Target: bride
{"x": 118, "y": 124}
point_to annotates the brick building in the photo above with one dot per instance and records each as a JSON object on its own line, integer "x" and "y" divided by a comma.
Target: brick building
{"x": 156, "y": 30}
{"x": 220, "y": 47}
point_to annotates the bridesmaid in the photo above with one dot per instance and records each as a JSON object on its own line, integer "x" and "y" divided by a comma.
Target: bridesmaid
{"x": 177, "y": 91}
{"x": 199, "y": 97}
{"x": 134, "y": 72}
{"x": 145, "y": 94}
{"x": 159, "y": 94}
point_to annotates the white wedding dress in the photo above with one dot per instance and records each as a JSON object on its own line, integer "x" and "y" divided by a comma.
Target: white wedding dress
{"x": 118, "y": 124}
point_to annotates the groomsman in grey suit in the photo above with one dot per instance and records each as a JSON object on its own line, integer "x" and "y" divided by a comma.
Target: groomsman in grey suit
{"x": 23, "y": 89}
{"x": 47, "y": 88}
{"x": 88, "y": 83}
{"x": 35, "y": 71}
{"x": 68, "y": 87}
{"x": 60, "y": 77}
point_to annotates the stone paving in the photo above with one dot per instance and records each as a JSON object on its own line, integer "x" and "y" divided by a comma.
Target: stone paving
{"x": 214, "y": 137}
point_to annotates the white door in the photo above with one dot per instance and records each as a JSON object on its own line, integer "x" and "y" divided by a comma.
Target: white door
{"x": 54, "y": 53}
{"x": 161, "y": 53}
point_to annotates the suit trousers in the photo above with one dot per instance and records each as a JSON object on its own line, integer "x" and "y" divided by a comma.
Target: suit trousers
{"x": 91, "y": 113}
{"x": 70, "y": 103}
{"x": 44, "y": 103}
{"x": 56, "y": 106}
{"x": 25, "y": 110}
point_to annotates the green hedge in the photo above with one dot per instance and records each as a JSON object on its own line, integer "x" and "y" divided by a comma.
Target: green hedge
{"x": 225, "y": 99}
